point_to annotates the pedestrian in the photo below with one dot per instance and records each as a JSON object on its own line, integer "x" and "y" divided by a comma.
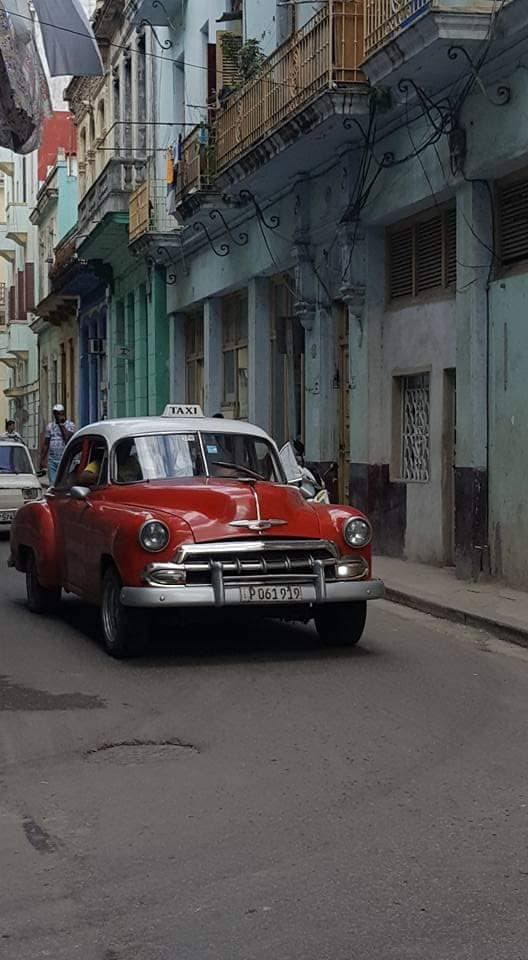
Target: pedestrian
{"x": 57, "y": 435}
{"x": 11, "y": 432}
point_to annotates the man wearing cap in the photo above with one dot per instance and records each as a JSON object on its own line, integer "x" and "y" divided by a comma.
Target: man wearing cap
{"x": 57, "y": 435}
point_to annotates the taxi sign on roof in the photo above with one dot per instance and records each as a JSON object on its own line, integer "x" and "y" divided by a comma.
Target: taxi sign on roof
{"x": 183, "y": 410}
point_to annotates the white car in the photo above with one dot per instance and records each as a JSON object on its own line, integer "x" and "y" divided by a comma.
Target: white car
{"x": 18, "y": 481}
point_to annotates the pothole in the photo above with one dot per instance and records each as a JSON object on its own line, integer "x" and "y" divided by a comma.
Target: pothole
{"x": 141, "y": 751}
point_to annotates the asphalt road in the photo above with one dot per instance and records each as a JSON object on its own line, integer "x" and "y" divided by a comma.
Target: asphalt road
{"x": 261, "y": 798}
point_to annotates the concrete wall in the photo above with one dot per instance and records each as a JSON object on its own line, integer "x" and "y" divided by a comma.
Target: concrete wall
{"x": 509, "y": 428}
{"x": 420, "y": 338}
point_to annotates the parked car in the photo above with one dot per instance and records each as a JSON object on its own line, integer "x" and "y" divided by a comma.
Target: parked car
{"x": 18, "y": 480}
{"x": 190, "y": 514}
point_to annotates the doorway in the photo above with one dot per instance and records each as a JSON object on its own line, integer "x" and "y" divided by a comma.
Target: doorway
{"x": 449, "y": 462}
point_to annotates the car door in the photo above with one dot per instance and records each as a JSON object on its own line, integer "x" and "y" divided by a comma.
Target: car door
{"x": 78, "y": 521}
{"x": 60, "y": 503}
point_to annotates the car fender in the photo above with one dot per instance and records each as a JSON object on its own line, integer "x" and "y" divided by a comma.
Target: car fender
{"x": 129, "y": 556}
{"x": 34, "y": 530}
{"x": 332, "y": 520}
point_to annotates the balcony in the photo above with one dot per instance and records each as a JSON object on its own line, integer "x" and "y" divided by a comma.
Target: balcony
{"x": 197, "y": 169}
{"x": 319, "y": 62}
{"x": 148, "y": 211}
{"x": 18, "y": 223}
{"x": 103, "y": 211}
{"x": 419, "y": 33}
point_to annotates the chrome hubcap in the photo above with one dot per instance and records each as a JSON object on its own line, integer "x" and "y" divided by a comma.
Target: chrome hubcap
{"x": 111, "y": 613}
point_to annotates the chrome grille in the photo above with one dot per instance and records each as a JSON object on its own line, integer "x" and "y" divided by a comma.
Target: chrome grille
{"x": 271, "y": 561}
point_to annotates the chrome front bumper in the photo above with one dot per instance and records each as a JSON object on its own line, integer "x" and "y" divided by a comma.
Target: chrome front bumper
{"x": 225, "y": 595}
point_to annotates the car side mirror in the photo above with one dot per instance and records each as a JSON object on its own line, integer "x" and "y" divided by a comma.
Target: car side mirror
{"x": 80, "y": 493}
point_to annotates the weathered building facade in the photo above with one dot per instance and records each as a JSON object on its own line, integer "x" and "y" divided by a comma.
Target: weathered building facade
{"x": 330, "y": 241}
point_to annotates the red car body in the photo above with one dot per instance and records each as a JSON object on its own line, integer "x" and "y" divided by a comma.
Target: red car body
{"x": 75, "y": 536}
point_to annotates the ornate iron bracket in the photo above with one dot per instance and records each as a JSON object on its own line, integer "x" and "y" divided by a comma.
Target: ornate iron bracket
{"x": 224, "y": 249}
{"x": 443, "y": 111}
{"x": 170, "y": 276}
{"x": 247, "y": 197}
{"x": 503, "y": 95}
{"x": 162, "y": 44}
{"x": 243, "y": 238}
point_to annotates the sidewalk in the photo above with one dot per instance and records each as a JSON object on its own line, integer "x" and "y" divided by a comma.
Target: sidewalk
{"x": 436, "y": 590}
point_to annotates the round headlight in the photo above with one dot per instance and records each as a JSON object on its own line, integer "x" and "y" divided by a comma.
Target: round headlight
{"x": 154, "y": 536}
{"x": 357, "y": 532}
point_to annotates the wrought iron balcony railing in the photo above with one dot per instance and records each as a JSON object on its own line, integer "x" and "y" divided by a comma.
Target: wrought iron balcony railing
{"x": 197, "y": 168}
{"x": 148, "y": 211}
{"x": 385, "y": 19}
{"x": 324, "y": 55}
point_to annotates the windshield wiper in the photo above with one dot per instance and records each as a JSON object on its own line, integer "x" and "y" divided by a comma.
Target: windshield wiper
{"x": 238, "y": 466}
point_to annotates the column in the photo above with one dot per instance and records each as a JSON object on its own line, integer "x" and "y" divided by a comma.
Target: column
{"x": 130, "y": 337}
{"x": 84, "y": 412}
{"x": 140, "y": 350}
{"x": 158, "y": 345}
{"x": 320, "y": 380}
{"x": 117, "y": 364}
{"x": 474, "y": 242}
{"x": 259, "y": 352}
{"x": 314, "y": 309}
{"x": 213, "y": 359}
{"x": 177, "y": 393}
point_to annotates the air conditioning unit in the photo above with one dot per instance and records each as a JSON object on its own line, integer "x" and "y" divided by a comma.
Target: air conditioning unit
{"x": 97, "y": 347}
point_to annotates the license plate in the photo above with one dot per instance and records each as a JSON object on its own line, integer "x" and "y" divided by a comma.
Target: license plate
{"x": 276, "y": 594}
{"x": 7, "y": 516}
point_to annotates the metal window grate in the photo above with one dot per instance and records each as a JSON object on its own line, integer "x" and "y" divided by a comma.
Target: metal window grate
{"x": 513, "y": 222}
{"x": 422, "y": 255}
{"x": 415, "y": 455}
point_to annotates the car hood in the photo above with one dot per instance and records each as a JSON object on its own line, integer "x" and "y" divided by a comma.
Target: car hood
{"x": 219, "y": 509}
{"x": 18, "y": 481}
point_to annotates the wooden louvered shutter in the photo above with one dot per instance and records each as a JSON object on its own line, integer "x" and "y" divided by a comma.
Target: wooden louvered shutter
{"x": 450, "y": 248}
{"x": 29, "y": 285}
{"x": 228, "y": 46}
{"x": 11, "y": 304}
{"x": 429, "y": 274}
{"x": 401, "y": 259}
{"x": 513, "y": 222}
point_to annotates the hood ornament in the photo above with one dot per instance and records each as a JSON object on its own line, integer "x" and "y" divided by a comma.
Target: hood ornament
{"x": 258, "y": 525}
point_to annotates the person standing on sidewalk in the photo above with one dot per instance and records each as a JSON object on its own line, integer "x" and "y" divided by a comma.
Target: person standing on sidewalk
{"x": 57, "y": 435}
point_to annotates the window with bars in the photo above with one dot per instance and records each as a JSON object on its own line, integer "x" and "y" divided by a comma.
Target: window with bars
{"x": 415, "y": 460}
{"x": 422, "y": 256}
{"x": 512, "y": 209}
{"x": 235, "y": 355}
{"x": 194, "y": 360}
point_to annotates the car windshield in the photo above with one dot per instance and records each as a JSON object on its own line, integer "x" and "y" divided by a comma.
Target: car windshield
{"x": 14, "y": 459}
{"x": 179, "y": 456}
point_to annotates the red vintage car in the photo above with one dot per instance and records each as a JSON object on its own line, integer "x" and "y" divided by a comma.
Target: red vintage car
{"x": 190, "y": 513}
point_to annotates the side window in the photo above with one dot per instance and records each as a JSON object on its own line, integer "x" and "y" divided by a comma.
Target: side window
{"x": 95, "y": 471}
{"x": 70, "y": 466}
{"x": 127, "y": 465}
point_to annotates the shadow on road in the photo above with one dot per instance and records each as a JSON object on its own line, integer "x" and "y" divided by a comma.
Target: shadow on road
{"x": 215, "y": 640}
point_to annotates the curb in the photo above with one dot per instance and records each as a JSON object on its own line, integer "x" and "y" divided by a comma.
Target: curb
{"x": 442, "y": 612}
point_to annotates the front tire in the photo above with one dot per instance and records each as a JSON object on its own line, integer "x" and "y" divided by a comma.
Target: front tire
{"x": 39, "y": 599}
{"x": 124, "y": 635}
{"x": 341, "y": 624}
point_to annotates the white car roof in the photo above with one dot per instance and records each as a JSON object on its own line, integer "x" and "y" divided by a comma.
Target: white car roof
{"x": 114, "y": 430}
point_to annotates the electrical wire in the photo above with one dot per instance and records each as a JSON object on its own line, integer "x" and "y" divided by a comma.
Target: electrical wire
{"x": 122, "y": 46}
